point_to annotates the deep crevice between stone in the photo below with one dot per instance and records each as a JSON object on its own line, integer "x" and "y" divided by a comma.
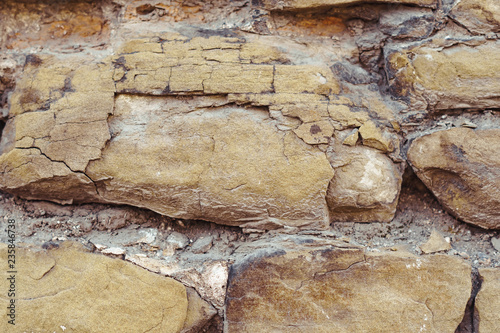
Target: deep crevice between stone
{"x": 470, "y": 322}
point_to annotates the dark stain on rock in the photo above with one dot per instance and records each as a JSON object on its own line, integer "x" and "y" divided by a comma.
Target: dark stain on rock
{"x": 30, "y": 95}
{"x": 145, "y": 9}
{"x": 33, "y": 60}
{"x": 50, "y": 245}
{"x": 457, "y": 153}
{"x": 315, "y": 129}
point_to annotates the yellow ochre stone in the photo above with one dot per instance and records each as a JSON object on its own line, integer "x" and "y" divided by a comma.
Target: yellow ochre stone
{"x": 109, "y": 295}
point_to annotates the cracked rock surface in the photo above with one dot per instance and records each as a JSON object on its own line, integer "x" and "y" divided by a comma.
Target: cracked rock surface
{"x": 302, "y": 283}
{"x": 294, "y": 166}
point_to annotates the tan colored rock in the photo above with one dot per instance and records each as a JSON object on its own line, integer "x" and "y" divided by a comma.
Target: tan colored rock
{"x": 73, "y": 101}
{"x": 306, "y": 107}
{"x": 198, "y": 156}
{"x": 351, "y": 139}
{"x": 199, "y": 312}
{"x": 375, "y": 137}
{"x": 301, "y": 4}
{"x": 227, "y": 165}
{"x": 479, "y": 16}
{"x": 239, "y": 79}
{"x": 487, "y": 302}
{"x": 32, "y": 175}
{"x": 261, "y": 53}
{"x": 108, "y": 295}
{"x": 461, "y": 167}
{"x": 347, "y": 118}
{"x": 305, "y": 79}
{"x": 306, "y": 284}
{"x": 365, "y": 187}
{"x": 458, "y": 77}
{"x": 315, "y": 132}
{"x": 435, "y": 243}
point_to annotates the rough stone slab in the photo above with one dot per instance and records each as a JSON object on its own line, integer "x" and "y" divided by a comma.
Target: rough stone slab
{"x": 450, "y": 76}
{"x": 461, "y": 167}
{"x": 304, "y": 4}
{"x": 109, "y": 295}
{"x": 306, "y": 284}
{"x": 228, "y": 165}
{"x": 487, "y": 304}
{"x": 239, "y": 143}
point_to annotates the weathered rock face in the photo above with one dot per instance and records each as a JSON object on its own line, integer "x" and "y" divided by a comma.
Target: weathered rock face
{"x": 487, "y": 301}
{"x": 481, "y": 16}
{"x": 106, "y": 294}
{"x": 308, "y": 284}
{"x": 462, "y": 168}
{"x": 453, "y": 74}
{"x": 245, "y": 145}
{"x": 227, "y": 165}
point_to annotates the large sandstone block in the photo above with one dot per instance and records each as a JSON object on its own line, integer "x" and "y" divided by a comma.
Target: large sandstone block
{"x": 462, "y": 168}
{"x": 307, "y": 284}
{"x": 227, "y": 165}
{"x": 219, "y": 128}
{"x": 70, "y": 289}
{"x": 487, "y": 304}
{"x": 447, "y": 74}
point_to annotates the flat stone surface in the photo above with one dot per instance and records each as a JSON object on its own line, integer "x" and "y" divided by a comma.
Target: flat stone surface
{"x": 228, "y": 165}
{"x": 109, "y": 295}
{"x": 308, "y": 284}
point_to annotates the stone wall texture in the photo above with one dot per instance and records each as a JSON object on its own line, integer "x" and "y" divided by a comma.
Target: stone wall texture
{"x": 273, "y": 117}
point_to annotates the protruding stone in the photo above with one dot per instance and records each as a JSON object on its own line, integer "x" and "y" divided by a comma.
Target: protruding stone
{"x": 374, "y": 137}
{"x": 479, "y": 16}
{"x": 460, "y": 76}
{"x": 461, "y": 167}
{"x": 228, "y": 165}
{"x": 365, "y": 187}
{"x": 177, "y": 241}
{"x": 202, "y": 245}
{"x": 351, "y": 139}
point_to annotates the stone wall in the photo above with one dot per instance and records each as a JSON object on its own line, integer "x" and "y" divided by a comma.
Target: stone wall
{"x": 319, "y": 166}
